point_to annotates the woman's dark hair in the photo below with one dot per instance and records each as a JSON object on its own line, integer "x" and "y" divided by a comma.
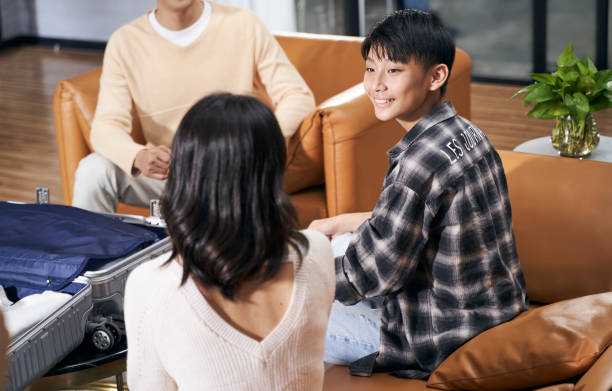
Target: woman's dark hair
{"x": 226, "y": 212}
{"x": 412, "y": 34}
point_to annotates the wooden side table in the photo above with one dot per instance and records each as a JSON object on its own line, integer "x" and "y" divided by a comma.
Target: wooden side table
{"x": 542, "y": 145}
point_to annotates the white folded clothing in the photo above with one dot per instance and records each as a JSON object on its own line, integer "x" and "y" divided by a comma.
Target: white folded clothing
{"x": 27, "y": 312}
{"x": 4, "y": 301}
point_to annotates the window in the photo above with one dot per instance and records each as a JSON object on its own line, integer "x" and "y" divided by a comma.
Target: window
{"x": 497, "y": 34}
{"x": 506, "y": 39}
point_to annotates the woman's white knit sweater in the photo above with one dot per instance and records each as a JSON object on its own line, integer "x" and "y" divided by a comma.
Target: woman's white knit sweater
{"x": 176, "y": 340}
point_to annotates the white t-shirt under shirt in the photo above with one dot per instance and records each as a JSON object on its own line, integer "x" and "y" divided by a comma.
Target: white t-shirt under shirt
{"x": 186, "y": 36}
{"x": 177, "y": 340}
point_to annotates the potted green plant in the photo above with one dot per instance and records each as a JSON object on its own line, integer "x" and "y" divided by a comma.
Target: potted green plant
{"x": 570, "y": 96}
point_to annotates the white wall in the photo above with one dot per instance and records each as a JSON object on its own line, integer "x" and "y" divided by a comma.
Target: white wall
{"x": 95, "y": 20}
{"x": 278, "y": 15}
{"x": 88, "y": 20}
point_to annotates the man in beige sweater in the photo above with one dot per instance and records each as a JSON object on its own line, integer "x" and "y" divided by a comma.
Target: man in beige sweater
{"x": 155, "y": 68}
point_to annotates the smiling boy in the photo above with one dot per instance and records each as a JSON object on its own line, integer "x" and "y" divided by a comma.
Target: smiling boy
{"x": 438, "y": 249}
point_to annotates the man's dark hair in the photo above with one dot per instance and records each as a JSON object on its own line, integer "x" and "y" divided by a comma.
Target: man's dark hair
{"x": 411, "y": 35}
{"x": 226, "y": 212}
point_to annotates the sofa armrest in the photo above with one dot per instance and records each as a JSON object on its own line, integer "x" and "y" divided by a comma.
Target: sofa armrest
{"x": 599, "y": 376}
{"x": 74, "y": 104}
{"x": 72, "y": 145}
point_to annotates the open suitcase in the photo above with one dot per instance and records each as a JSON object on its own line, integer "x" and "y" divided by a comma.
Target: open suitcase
{"x": 95, "y": 310}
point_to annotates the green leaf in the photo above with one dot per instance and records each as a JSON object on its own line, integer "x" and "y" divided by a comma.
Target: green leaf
{"x": 584, "y": 71}
{"x": 567, "y": 58}
{"x": 541, "y": 110}
{"x": 582, "y": 103}
{"x": 570, "y": 103}
{"x": 524, "y": 90}
{"x": 596, "y": 93}
{"x": 604, "y": 79}
{"x": 557, "y": 109}
{"x": 541, "y": 93}
{"x": 586, "y": 84}
{"x": 579, "y": 107}
{"x": 544, "y": 78}
{"x": 586, "y": 61}
{"x": 603, "y": 102}
{"x": 570, "y": 76}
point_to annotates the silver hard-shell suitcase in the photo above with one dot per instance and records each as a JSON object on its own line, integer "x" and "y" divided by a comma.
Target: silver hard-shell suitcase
{"x": 93, "y": 315}
{"x": 34, "y": 352}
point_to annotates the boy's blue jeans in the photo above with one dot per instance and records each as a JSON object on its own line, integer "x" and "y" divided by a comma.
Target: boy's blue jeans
{"x": 352, "y": 331}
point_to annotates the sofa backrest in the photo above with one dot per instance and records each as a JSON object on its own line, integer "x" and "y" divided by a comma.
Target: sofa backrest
{"x": 328, "y": 63}
{"x": 562, "y": 217}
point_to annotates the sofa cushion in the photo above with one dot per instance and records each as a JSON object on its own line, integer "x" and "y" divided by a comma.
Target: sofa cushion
{"x": 542, "y": 346}
{"x": 305, "y": 155}
{"x": 309, "y": 205}
{"x": 338, "y": 378}
{"x": 599, "y": 376}
{"x": 557, "y": 387}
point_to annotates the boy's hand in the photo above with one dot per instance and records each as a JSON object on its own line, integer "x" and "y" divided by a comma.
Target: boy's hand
{"x": 153, "y": 162}
{"x": 337, "y": 225}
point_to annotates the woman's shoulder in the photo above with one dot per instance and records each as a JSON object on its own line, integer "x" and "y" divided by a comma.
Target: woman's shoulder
{"x": 319, "y": 253}
{"x": 315, "y": 238}
{"x": 155, "y": 268}
{"x": 318, "y": 245}
{"x": 156, "y": 275}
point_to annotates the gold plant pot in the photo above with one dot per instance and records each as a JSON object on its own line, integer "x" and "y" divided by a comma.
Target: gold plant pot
{"x": 574, "y": 140}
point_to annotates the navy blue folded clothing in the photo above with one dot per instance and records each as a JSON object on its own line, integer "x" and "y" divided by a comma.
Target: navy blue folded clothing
{"x": 45, "y": 247}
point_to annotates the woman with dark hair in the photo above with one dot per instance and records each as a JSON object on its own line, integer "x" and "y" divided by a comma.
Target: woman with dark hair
{"x": 243, "y": 301}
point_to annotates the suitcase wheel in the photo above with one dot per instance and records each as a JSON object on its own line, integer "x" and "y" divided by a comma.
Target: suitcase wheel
{"x": 105, "y": 336}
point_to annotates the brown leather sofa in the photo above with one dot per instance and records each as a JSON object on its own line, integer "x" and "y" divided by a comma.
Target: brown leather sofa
{"x": 321, "y": 155}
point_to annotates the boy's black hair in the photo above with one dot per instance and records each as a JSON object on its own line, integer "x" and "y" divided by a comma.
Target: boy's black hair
{"x": 412, "y": 34}
{"x": 227, "y": 214}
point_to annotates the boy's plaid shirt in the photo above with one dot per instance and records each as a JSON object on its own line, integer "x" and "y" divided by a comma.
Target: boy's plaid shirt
{"x": 439, "y": 246}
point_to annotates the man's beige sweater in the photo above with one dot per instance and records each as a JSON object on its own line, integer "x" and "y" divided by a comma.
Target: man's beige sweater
{"x": 145, "y": 75}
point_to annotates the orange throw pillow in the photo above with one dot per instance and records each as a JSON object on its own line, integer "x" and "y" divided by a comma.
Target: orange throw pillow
{"x": 542, "y": 346}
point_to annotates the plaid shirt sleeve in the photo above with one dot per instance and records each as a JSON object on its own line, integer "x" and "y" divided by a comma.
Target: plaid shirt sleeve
{"x": 385, "y": 248}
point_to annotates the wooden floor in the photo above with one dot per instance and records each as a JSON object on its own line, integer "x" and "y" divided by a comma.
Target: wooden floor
{"x": 28, "y": 150}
